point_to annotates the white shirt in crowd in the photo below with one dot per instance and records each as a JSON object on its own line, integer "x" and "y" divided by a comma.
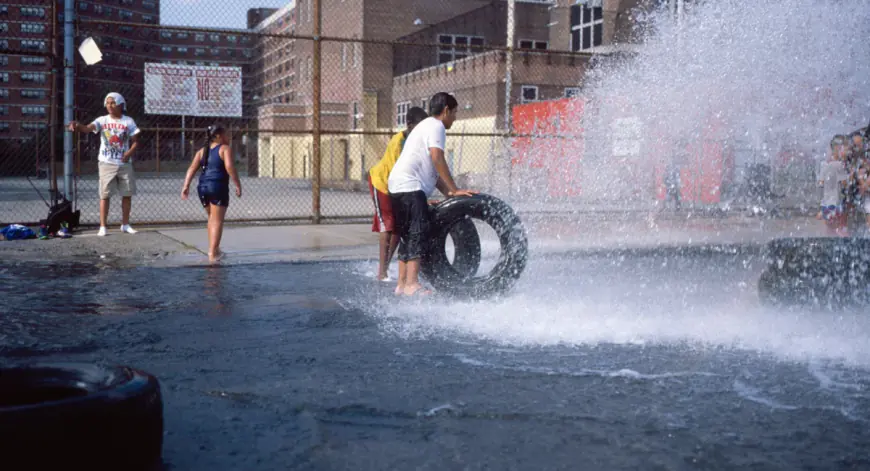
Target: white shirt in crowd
{"x": 414, "y": 170}
{"x": 831, "y": 173}
{"x": 115, "y": 137}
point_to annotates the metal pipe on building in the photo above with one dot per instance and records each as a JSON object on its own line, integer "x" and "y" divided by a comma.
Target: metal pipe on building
{"x": 315, "y": 110}
{"x": 68, "y": 71}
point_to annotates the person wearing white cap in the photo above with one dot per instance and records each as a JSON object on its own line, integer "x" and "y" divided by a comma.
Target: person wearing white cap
{"x": 119, "y": 140}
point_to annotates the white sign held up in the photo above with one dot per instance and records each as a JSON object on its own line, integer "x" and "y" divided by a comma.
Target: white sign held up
{"x": 172, "y": 89}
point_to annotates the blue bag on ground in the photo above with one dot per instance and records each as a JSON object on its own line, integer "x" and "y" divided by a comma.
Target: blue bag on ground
{"x": 17, "y": 232}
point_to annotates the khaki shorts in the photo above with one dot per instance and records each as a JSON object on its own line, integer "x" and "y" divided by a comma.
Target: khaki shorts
{"x": 116, "y": 179}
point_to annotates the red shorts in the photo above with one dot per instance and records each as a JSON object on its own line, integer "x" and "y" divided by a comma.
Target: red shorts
{"x": 383, "y": 220}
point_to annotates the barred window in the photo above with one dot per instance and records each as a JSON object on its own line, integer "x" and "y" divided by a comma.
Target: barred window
{"x": 37, "y": 28}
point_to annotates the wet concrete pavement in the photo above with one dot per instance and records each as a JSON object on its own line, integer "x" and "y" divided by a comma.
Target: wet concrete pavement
{"x": 183, "y": 246}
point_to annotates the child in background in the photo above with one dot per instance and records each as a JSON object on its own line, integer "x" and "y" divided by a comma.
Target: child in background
{"x": 832, "y": 177}
{"x": 378, "y": 175}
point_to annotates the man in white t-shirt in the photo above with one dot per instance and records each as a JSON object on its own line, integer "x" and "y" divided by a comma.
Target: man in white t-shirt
{"x": 419, "y": 170}
{"x": 118, "y": 142}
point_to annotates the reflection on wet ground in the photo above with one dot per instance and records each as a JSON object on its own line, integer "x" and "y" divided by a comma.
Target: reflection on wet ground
{"x": 625, "y": 362}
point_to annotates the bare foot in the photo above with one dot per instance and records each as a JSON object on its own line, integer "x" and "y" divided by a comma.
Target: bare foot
{"x": 215, "y": 257}
{"x": 399, "y": 290}
{"x": 416, "y": 290}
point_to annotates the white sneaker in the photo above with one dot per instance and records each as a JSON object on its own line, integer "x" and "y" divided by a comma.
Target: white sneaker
{"x": 127, "y": 229}
{"x": 102, "y": 231}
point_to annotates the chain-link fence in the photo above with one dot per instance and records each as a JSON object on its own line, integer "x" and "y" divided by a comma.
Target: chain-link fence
{"x": 312, "y": 91}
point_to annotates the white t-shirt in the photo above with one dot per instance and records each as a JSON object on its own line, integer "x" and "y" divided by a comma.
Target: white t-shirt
{"x": 831, "y": 174}
{"x": 115, "y": 137}
{"x": 414, "y": 169}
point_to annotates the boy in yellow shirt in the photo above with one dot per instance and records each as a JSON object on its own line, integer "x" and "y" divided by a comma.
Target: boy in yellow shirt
{"x": 378, "y": 175}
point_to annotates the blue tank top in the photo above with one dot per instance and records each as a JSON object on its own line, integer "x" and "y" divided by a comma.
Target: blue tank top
{"x": 213, "y": 170}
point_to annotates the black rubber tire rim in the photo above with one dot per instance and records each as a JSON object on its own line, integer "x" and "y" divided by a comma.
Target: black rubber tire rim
{"x": 60, "y": 416}
{"x": 513, "y": 255}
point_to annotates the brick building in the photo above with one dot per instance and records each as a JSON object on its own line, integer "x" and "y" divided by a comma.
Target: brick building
{"x": 25, "y": 80}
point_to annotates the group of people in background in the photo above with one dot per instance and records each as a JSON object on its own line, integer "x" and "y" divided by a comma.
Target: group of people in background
{"x": 119, "y": 140}
{"x": 401, "y": 183}
{"x": 845, "y": 181}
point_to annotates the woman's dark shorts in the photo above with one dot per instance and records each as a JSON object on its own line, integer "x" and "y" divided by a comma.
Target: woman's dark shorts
{"x": 215, "y": 194}
{"x": 411, "y": 213}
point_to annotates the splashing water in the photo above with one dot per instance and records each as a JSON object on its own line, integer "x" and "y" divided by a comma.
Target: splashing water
{"x": 758, "y": 78}
{"x": 784, "y": 73}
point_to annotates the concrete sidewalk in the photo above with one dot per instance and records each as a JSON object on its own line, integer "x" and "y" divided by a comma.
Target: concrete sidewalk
{"x": 310, "y": 243}
{"x": 256, "y": 244}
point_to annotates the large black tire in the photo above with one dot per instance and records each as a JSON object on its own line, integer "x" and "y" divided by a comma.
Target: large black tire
{"x": 65, "y": 416}
{"x": 466, "y": 248}
{"x": 497, "y": 214}
{"x": 824, "y": 271}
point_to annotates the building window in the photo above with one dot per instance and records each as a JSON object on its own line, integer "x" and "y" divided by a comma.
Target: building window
{"x": 4, "y": 27}
{"x": 182, "y": 35}
{"x": 357, "y": 50}
{"x": 33, "y": 11}
{"x": 125, "y": 29}
{"x": 402, "y": 113}
{"x": 232, "y": 38}
{"x": 4, "y": 60}
{"x": 4, "y": 10}
{"x": 124, "y": 14}
{"x": 4, "y": 127}
{"x": 37, "y": 28}
{"x": 200, "y": 37}
{"x": 198, "y": 51}
{"x": 126, "y": 44}
{"x": 148, "y": 19}
{"x": 455, "y": 47}
{"x": 33, "y": 110}
{"x": 166, "y": 49}
{"x": 182, "y": 50}
{"x": 355, "y": 121}
{"x": 529, "y": 93}
{"x": 214, "y": 37}
{"x": 149, "y": 5}
{"x": 34, "y": 94}
{"x": 587, "y": 27}
{"x": 4, "y": 93}
{"x": 32, "y": 45}
{"x": 37, "y": 77}
{"x": 215, "y": 51}
{"x": 4, "y": 76}
{"x": 166, "y": 35}
{"x": 572, "y": 92}
{"x": 4, "y": 110}
{"x": 33, "y": 126}
{"x": 126, "y": 2}
{"x": 33, "y": 60}
{"x": 531, "y": 44}
{"x": 4, "y": 44}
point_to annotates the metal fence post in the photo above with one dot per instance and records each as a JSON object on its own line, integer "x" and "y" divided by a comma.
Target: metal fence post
{"x": 68, "y": 69}
{"x": 315, "y": 110}
{"x": 508, "y": 85}
{"x": 509, "y": 65}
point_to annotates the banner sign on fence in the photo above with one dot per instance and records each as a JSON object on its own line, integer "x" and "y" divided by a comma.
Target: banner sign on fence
{"x": 193, "y": 90}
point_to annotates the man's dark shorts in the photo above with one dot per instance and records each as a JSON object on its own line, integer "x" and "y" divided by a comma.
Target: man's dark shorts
{"x": 411, "y": 213}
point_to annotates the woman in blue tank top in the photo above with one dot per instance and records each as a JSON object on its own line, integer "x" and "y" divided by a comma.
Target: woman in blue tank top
{"x": 216, "y": 162}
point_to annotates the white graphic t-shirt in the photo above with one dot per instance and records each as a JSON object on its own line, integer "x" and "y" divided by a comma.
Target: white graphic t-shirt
{"x": 115, "y": 137}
